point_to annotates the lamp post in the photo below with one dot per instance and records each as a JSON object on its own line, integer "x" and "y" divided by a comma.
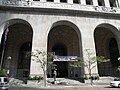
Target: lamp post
{"x": 119, "y": 60}
{"x": 9, "y": 59}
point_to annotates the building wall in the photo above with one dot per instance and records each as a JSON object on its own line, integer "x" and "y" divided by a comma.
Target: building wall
{"x": 41, "y": 23}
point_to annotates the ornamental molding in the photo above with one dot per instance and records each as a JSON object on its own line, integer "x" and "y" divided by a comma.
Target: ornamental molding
{"x": 60, "y": 6}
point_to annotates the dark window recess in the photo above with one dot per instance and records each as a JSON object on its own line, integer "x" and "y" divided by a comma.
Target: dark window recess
{"x": 65, "y": 1}
{"x": 113, "y": 4}
{"x": 101, "y": 3}
{"x": 76, "y": 1}
{"x": 50, "y": 0}
{"x": 36, "y": 0}
{"x": 88, "y": 2}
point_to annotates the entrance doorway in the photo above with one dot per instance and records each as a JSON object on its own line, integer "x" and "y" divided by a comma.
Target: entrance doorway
{"x": 62, "y": 66}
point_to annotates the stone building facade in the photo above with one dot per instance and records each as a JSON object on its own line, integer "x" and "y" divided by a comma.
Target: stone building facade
{"x": 66, "y": 27}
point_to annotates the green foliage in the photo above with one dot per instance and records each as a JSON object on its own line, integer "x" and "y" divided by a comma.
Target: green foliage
{"x": 38, "y": 78}
{"x": 90, "y": 62}
{"x": 118, "y": 70}
{"x": 42, "y": 57}
{"x": 92, "y": 77}
{"x": 3, "y": 72}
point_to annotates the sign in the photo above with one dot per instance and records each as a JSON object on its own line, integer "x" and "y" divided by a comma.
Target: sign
{"x": 65, "y": 58}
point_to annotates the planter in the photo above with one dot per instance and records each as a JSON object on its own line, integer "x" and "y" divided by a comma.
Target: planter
{"x": 34, "y": 82}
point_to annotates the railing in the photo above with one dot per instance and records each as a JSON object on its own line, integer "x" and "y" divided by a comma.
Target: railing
{"x": 52, "y": 5}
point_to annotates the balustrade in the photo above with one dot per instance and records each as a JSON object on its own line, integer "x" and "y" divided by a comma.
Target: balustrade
{"x": 106, "y": 3}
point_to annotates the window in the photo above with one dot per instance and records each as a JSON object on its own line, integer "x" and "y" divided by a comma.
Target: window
{"x": 64, "y": 1}
{"x": 113, "y": 3}
{"x": 36, "y": 0}
{"x": 50, "y": 0}
{"x": 76, "y": 1}
{"x": 101, "y": 3}
{"x": 89, "y": 2}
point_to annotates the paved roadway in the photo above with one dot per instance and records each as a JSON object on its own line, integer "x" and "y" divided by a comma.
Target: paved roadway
{"x": 64, "y": 88}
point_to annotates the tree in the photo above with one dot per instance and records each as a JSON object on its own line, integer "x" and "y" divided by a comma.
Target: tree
{"x": 89, "y": 62}
{"x": 42, "y": 57}
{"x": 118, "y": 69}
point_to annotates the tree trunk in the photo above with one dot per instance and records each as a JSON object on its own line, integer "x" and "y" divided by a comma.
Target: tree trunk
{"x": 45, "y": 78}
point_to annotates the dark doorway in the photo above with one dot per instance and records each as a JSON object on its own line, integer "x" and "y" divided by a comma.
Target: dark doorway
{"x": 62, "y": 66}
{"x": 114, "y": 53}
{"x": 24, "y": 60}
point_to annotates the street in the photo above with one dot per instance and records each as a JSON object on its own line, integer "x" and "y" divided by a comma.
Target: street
{"x": 64, "y": 88}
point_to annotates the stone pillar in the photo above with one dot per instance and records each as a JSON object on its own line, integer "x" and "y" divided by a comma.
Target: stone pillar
{"x": 95, "y": 2}
{"x": 42, "y": 0}
{"x": 70, "y": 1}
{"x": 83, "y": 2}
{"x": 57, "y": 1}
{"x": 107, "y": 3}
{"x": 39, "y": 43}
{"x": 88, "y": 43}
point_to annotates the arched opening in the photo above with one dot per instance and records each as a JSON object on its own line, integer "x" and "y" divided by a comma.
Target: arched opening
{"x": 15, "y": 44}
{"x": 106, "y": 45}
{"x": 62, "y": 66}
{"x": 64, "y": 39}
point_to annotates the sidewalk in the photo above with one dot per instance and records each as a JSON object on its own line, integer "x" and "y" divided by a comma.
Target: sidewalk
{"x": 64, "y": 82}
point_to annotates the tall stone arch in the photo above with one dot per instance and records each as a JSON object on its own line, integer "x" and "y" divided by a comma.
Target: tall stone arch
{"x": 17, "y": 32}
{"x": 64, "y": 39}
{"x": 106, "y": 42}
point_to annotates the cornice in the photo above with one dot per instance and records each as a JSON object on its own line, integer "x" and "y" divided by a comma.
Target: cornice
{"x": 61, "y": 9}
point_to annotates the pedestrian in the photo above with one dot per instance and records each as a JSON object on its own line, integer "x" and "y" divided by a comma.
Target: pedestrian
{"x": 54, "y": 75}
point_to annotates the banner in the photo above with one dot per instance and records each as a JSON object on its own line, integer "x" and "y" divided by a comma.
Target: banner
{"x": 65, "y": 58}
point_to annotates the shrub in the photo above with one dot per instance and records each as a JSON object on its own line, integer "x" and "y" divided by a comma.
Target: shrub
{"x": 39, "y": 78}
{"x": 3, "y": 72}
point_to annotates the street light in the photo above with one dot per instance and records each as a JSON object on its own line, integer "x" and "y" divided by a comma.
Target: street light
{"x": 9, "y": 59}
{"x": 119, "y": 59}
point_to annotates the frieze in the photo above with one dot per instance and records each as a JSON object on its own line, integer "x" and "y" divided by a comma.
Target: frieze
{"x": 15, "y": 3}
{"x": 9, "y": 2}
{"x": 60, "y": 6}
{"x": 105, "y": 9}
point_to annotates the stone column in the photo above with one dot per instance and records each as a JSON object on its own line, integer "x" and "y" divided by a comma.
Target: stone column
{"x": 87, "y": 30}
{"x": 70, "y": 1}
{"x": 107, "y": 3}
{"x": 57, "y": 1}
{"x": 95, "y": 2}
{"x": 83, "y": 2}
{"x": 39, "y": 43}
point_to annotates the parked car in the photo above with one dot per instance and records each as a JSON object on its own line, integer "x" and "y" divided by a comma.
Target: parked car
{"x": 115, "y": 83}
{"x": 4, "y": 83}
